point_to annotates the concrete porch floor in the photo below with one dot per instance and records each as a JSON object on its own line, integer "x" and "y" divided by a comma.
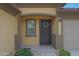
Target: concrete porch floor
{"x": 74, "y": 52}
{"x": 42, "y": 50}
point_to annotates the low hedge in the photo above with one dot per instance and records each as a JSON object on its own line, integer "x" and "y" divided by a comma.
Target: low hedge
{"x": 63, "y": 52}
{"x": 24, "y": 52}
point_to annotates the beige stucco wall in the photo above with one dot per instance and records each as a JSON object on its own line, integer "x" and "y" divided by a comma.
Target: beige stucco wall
{"x": 55, "y": 26}
{"x": 26, "y": 40}
{"x": 49, "y": 11}
{"x": 59, "y": 28}
{"x": 58, "y": 32}
{"x": 59, "y": 40}
{"x": 8, "y": 29}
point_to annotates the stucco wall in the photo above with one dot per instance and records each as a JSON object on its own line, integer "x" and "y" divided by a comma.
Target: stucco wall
{"x": 55, "y": 26}
{"x": 59, "y": 28}
{"x": 26, "y": 40}
{"x": 8, "y": 29}
{"x": 49, "y": 11}
{"x": 59, "y": 41}
{"x": 58, "y": 33}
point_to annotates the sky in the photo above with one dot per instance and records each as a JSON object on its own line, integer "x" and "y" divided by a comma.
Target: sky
{"x": 71, "y": 5}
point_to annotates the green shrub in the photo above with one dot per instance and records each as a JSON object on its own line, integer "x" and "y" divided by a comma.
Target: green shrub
{"x": 23, "y": 52}
{"x": 63, "y": 52}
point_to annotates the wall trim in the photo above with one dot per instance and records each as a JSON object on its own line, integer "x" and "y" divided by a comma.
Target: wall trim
{"x": 40, "y": 14}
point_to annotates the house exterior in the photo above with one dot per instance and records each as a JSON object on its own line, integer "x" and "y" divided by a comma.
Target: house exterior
{"x": 37, "y": 24}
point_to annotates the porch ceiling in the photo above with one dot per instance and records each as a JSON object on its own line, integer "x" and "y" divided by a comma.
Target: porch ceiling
{"x": 38, "y": 5}
{"x": 9, "y": 9}
{"x": 14, "y": 8}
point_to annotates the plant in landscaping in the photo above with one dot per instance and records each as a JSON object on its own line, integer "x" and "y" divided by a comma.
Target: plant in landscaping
{"x": 63, "y": 52}
{"x": 24, "y": 52}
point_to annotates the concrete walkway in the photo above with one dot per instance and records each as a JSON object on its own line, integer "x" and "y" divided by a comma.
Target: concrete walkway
{"x": 74, "y": 52}
{"x": 43, "y": 50}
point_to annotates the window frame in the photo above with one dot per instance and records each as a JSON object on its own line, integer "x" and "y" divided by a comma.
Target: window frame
{"x": 34, "y": 28}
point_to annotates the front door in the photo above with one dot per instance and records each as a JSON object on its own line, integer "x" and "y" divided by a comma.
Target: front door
{"x": 45, "y": 32}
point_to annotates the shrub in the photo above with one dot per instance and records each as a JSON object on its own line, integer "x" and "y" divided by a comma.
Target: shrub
{"x": 23, "y": 52}
{"x": 63, "y": 52}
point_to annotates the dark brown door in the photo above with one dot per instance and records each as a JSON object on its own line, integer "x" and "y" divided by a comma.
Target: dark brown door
{"x": 45, "y": 32}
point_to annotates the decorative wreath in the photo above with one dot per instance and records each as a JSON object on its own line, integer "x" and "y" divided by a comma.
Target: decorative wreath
{"x": 45, "y": 24}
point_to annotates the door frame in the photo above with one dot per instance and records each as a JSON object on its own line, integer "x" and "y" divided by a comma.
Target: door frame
{"x": 40, "y": 28}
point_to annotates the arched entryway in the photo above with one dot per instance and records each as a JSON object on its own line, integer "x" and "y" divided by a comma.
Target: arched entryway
{"x": 36, "y": 36}
{"x": 41, "y": 33}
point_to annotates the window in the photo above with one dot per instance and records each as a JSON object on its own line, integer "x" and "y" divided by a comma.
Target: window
{"x": 30, "y": 27}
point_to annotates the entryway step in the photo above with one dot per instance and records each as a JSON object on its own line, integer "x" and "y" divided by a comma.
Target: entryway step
{"x": 44, "y": 53}
{"x": 43, "y": 50}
